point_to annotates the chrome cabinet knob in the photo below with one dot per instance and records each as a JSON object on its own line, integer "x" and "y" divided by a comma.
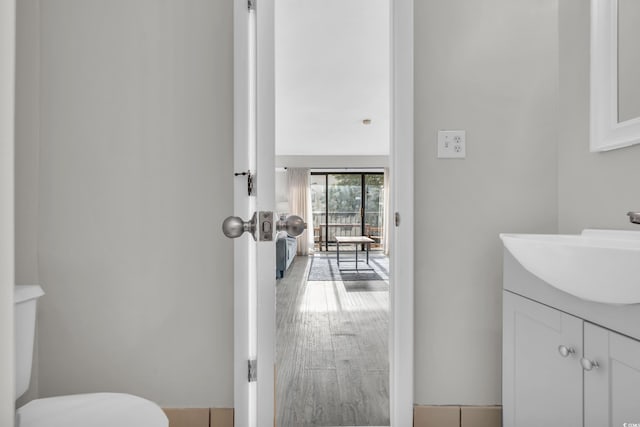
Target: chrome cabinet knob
{"x": 566, "y": 351}
{"x": 588, "y": 365}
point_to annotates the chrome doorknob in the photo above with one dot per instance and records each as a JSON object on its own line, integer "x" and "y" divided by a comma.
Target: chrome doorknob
{"x": 588, "y": 365}
{"x": 566, "y": 351}
{"x": 293, "y": 225}
{"x": 234, "y": 226}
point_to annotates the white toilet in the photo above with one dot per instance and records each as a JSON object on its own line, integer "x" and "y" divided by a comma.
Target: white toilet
{"x": 80, "y": 410}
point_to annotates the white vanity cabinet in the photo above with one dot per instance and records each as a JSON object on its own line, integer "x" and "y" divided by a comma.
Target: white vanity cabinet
{"x": 540, "y": 387}
{"x": 611, "y": 391}
{"x": 564, "y": 362}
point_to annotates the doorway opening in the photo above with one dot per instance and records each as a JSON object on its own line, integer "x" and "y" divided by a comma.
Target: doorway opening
{"x": 332, "y": 133}
{"x": 398, "y": 98}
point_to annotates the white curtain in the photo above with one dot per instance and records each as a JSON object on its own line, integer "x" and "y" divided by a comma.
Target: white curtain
{"x": 387, "y": 211}
{"x": 300, "y": 204}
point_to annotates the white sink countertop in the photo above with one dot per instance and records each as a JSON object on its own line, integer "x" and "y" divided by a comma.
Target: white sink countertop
{"x": 597, "y": 265}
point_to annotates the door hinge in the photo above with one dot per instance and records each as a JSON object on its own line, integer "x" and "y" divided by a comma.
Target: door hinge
{"x": 252, "y": 371}
{"x": 397, "y": 219}
{"x": 251, "y": 4}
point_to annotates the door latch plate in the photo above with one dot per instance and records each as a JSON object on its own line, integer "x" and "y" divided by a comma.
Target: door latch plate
{"x": 265, "y": 226}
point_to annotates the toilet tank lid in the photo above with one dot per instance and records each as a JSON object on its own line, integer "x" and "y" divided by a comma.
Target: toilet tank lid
{"x": 22, "y": 293}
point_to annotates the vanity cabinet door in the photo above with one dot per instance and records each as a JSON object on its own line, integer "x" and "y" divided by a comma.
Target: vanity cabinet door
{"x": 540, "y": 386}
{"x": 612, "y": 389}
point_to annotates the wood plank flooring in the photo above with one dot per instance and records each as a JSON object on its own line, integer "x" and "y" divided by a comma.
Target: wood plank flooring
{"x": 331, "y": 352}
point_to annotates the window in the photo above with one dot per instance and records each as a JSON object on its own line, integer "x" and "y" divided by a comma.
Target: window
{"x": 347, "y": 204}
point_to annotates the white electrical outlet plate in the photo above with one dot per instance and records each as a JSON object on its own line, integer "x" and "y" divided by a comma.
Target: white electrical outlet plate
{"x": 452, "y": 144}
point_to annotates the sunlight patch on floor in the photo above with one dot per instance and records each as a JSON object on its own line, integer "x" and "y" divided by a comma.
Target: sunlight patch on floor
{"x": 332, "y": 297}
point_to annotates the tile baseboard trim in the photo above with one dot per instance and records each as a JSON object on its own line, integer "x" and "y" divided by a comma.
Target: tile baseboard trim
{"x": 457, "y": 416}
{"x": 221, "y": 417}
{"x": 199, "y": 417}
{"x": 423, "y": 416}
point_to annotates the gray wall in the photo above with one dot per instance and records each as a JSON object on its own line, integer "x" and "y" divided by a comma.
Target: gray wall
{"x": 326, "y": 162}
{"x": 27, "y": 124}
{"x": 488, "y": 67}
{"x": 27, "y": 138}
{"x": 135, "y": 179}
{"x": 138, "y": 298}
{"x": 595, "y": 189}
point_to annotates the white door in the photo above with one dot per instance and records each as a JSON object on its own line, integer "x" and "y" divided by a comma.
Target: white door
{"x": 254, "y": 262}
{"x": 254, "y": 269}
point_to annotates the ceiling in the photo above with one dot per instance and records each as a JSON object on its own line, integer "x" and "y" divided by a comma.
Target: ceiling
{"x": 332, "y": 72}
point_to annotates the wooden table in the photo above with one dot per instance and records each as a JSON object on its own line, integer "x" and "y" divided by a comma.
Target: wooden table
{"x": 343, "y": 225}
{"x": 353, "y": 240}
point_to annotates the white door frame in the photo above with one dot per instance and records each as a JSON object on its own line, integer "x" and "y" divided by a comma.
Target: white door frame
{"x": 402, "y": 183}
{"x": 7, "y": 91}
{"x": 253, "y": 309}
{"x": 266, "y": 199}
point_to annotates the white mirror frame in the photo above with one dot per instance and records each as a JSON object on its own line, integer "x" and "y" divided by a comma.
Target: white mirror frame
{"x": 606, "y": 132}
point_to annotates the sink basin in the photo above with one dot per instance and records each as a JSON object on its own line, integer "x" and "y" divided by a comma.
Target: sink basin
{"x": 597, "y": 265}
